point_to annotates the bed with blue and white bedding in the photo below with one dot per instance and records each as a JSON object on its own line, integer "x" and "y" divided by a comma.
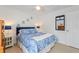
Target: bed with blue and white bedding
{"x": 35, "y": 41}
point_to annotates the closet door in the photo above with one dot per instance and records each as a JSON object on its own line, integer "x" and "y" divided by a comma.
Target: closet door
{"x": 73, "y": 29}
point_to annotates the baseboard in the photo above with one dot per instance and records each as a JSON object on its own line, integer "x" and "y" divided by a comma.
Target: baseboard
{"x": 67, "y": 44}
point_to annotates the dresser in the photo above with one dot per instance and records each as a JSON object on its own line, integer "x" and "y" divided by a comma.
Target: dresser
{"x": 2, "y": 42}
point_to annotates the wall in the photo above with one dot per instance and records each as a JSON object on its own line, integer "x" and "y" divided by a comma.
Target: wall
{"x": 70, "y": 35}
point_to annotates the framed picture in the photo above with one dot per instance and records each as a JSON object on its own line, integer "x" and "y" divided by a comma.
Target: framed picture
{"x": 60, "y": 22}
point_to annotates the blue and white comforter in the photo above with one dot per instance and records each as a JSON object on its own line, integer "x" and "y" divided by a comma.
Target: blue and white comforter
{"x": 34, "y": 46}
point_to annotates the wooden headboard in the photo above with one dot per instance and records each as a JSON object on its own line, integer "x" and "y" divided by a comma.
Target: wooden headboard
{"x": 19, "y": 28}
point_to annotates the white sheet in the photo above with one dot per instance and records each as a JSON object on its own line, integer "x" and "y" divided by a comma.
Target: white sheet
{"x": 41, "y": 37}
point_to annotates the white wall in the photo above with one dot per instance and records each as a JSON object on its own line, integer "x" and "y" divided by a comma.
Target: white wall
{"x": 71, "y": 34}
{"x": 16, "y": 16}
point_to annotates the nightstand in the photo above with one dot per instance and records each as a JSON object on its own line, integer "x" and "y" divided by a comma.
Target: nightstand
{"x": 8, "y": 38}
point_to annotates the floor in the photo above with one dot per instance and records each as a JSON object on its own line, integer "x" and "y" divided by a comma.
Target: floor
{"x": 14, "y": 49}
{"x": 59, "y": 48}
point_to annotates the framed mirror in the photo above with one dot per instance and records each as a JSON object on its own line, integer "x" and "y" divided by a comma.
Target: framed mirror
{"x": 60, "y": 22}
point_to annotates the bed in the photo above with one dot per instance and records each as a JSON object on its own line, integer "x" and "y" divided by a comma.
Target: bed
{"x": 32, "y": 41}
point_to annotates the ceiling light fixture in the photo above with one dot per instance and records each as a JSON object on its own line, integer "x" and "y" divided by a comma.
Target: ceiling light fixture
{"x": 38, "y": 8}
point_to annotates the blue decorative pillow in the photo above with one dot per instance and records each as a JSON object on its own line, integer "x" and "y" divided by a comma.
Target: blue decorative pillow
{"x": 25, "y": 31}
{"x": 33, "y": 31}
{"x": 28, "y": 31}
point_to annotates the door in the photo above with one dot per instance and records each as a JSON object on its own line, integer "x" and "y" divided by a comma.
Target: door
{"x": 73, "y": 29}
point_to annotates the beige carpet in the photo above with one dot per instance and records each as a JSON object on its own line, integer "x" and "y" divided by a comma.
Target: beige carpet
{"x": 14, "y": 49}
{"x": 59, "y": 48}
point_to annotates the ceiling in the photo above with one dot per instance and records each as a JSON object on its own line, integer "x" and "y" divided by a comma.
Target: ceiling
{"x": 31, "y": 8}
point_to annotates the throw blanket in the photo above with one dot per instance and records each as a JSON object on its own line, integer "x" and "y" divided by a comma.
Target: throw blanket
{"x": 41, "y": 37}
